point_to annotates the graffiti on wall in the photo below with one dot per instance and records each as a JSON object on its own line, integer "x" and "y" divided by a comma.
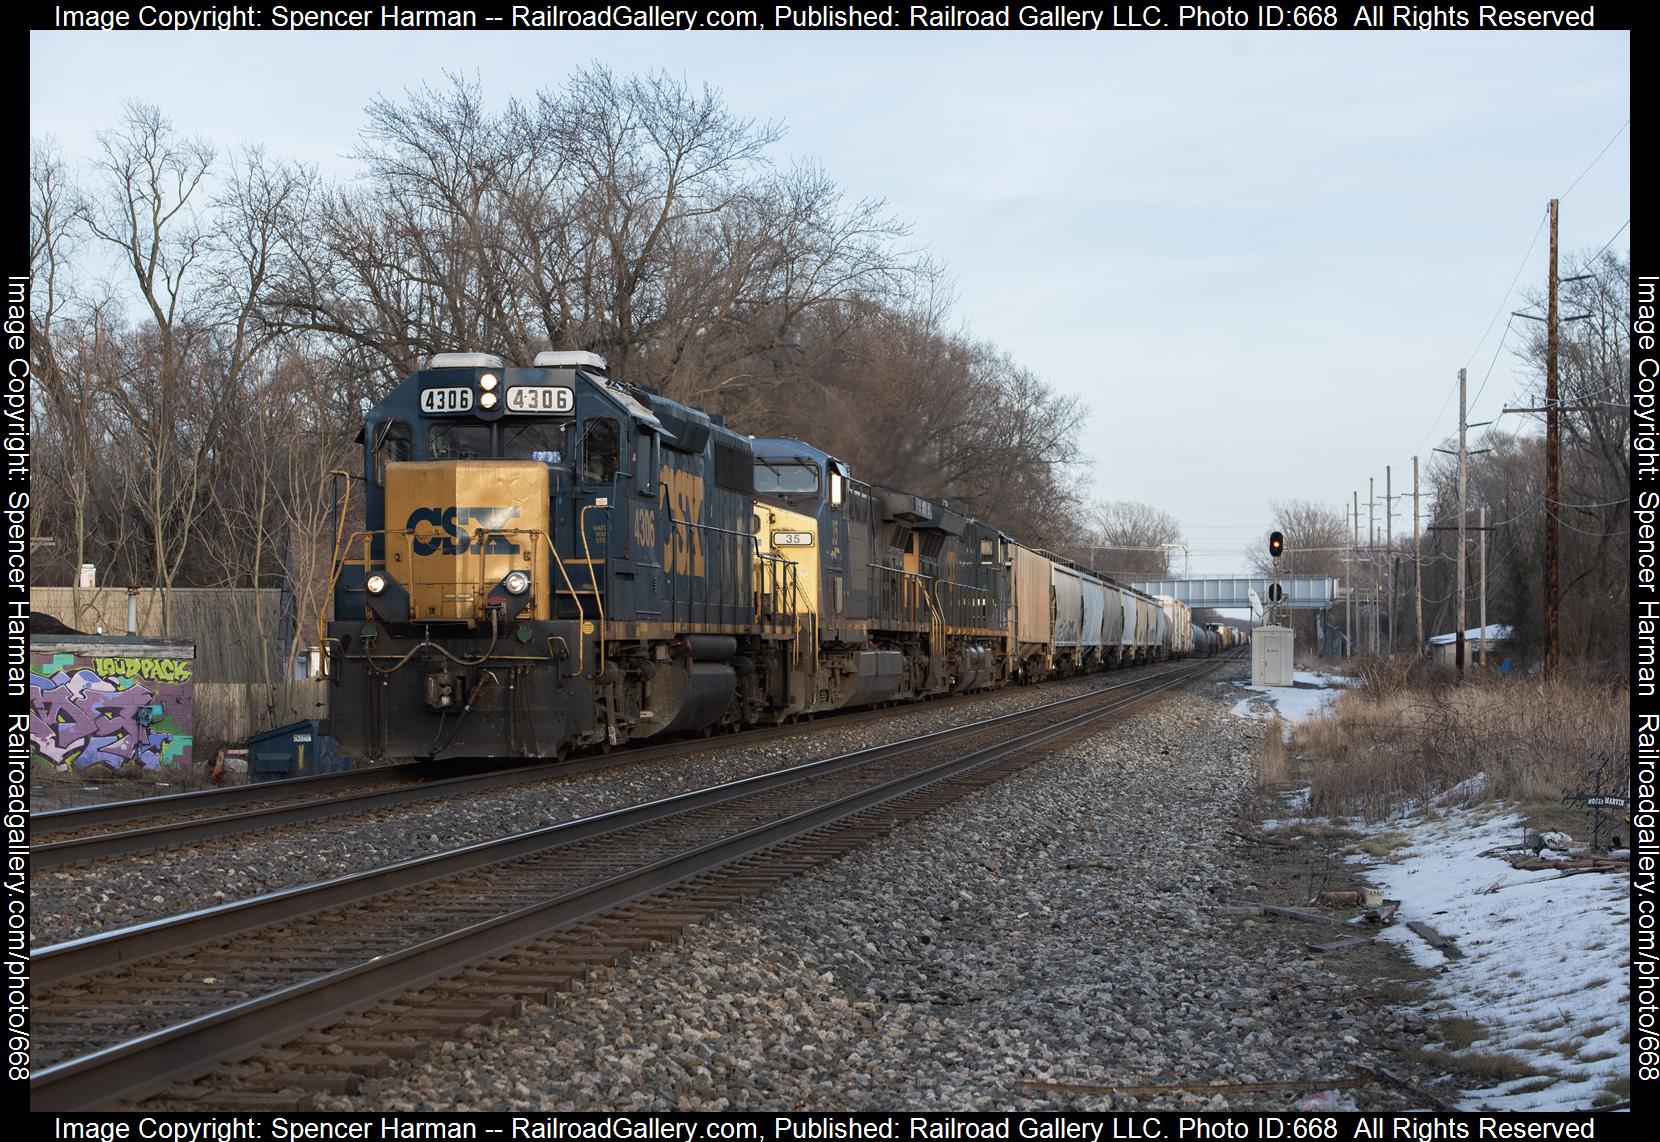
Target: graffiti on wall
{"x": 116, "y": 714}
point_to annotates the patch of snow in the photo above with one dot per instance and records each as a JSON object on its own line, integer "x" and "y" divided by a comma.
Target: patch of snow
{"x": 1544, "y": 955}
{"x": 1310, "y": 696}
{"x": 1470, "y": 789}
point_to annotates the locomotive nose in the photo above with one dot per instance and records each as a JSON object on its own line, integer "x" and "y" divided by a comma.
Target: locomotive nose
{"x": 472, "y": 531}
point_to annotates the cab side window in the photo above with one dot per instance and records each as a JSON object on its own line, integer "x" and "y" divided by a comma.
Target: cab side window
{"x": 392, "y": 442}
{"x": 600, "y": 448}
{"x": 645, "y": 466}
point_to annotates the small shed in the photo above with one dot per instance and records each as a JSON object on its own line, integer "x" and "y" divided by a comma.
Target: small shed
{"x": 1443, "y": 648}
{"x": 110, "y": 704}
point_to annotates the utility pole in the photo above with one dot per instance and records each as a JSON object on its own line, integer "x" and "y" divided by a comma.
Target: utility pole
{"x": 1463, "y": 491}
{"x": 1417, "y": 564}
{"x": 1389, "y": 544}
{"x": 1348, "y": 598}
{"x": 1372, "y": 551}
{"x": 1360, "y": 611}
{"x": 1482, "y": 610}
{"x": 1551, "y": 458}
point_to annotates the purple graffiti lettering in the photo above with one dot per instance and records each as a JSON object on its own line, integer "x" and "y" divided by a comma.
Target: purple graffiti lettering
{"x": 80, "y": 720}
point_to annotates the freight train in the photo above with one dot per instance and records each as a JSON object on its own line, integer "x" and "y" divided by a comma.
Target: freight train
{"x": 553, "y": 560}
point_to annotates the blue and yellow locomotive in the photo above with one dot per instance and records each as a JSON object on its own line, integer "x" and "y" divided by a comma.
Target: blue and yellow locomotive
{"x": 549, "y": 560}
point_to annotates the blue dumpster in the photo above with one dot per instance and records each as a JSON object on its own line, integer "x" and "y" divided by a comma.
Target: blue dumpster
{"x": 296, "y": 750}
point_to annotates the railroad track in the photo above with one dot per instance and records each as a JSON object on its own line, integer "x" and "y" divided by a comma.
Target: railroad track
{"x": 80, "y": 835}
{"x": 190, "y": 992}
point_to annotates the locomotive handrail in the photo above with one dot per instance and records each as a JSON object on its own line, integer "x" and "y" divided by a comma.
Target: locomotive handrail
{"x": 335, "y": 564}
{"x": 753, "y": 540}
{"x": 593, "y": 579}
{"x": 581, "y": 618}
{"x": 797, "y": 604}
{"x": 783, "y": 574}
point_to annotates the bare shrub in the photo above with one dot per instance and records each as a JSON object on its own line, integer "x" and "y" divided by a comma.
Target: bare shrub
{"x": 1413, "y": 738}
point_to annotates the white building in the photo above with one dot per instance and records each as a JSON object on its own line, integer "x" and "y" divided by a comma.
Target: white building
{"x": 1443, "y": 648}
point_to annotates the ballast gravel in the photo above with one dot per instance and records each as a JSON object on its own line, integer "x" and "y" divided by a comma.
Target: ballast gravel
{"x": 1063, "y": 927}
{"x": 77, "y": 901}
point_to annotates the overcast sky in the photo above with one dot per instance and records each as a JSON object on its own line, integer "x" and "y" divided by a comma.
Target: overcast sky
{"x": 1260, "y": 258}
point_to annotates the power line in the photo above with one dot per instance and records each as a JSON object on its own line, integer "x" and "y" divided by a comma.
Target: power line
{"x": 1596, "y": 160}
{"x": 1587, "y": 507}
{"x": 1503, "y": 301}
{"x": 1592, "y": 534}
{"x": 1508, "y": 291}
{"x": 1610, "y": 241}
{"x": 1496, "y": 350}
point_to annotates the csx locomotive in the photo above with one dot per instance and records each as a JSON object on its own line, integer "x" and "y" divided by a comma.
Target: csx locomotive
{"x": 554, "y": 560}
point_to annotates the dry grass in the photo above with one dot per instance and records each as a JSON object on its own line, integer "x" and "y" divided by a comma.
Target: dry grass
{"x": 1410, "y": 736}
{"x": 1614, "y": 1090}
{"x": 1271, "y": 754}
{"x": 1384, "y": 846}
{"x": 1458, "y": 1031}
{"x": 1485, "y": 1069}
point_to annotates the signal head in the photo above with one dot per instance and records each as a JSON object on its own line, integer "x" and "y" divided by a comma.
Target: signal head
{"x": 1276, "y": 544}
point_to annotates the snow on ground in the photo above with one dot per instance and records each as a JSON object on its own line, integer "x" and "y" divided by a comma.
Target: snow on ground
{"x": 1544, "y": 955}
{"x": 1312, "y": 693}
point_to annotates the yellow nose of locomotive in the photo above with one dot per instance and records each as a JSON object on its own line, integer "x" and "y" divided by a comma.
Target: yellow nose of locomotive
{"x": 465, "y": 535}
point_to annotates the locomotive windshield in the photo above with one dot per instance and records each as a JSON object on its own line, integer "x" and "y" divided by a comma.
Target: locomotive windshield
{"x": 459, "y": 441}
{"x": 787, "y": 476}
{"x": 533, "y": 440}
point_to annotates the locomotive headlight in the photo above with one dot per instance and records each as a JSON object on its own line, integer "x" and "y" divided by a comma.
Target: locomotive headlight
{"x": 487, "y": 400}
{"x": 487, "y": 382}
{"x": 517, "y": 582}
{"x": 376, "y": 583}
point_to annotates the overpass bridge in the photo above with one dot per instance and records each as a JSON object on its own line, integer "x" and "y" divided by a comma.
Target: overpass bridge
{"x": 1302, "y": 592}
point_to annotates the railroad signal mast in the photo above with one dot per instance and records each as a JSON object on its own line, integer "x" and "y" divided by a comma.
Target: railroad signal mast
{"x": 1271, "y": 644}
{"x": 1276, "y": 594}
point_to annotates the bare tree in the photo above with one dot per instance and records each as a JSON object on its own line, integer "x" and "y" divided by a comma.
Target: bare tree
{"x": 635, "y": 216}
{"x": 146, "y": 210}
{"x": 1130, "y": 540}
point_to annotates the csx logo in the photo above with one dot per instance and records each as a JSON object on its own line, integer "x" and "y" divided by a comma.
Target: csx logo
{"x": 454, "y": 528}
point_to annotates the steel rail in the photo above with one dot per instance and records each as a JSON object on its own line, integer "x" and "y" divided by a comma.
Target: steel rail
{"x": 150, "y": 1062}
{"x": 50, "y": 821}
{"x": 63, "y": 961}
{"x": 403, "y": 789}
